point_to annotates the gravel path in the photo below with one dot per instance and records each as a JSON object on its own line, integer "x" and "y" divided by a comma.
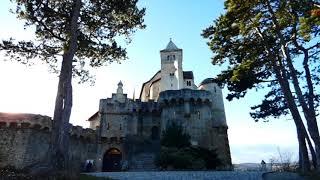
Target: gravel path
{"x": 182, "y": 175}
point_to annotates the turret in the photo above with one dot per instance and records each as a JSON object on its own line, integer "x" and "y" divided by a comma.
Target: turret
{"x": 120, "y": 97}
{"x": 217, "y": 102}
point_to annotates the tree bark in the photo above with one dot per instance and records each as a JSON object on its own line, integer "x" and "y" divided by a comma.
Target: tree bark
{"x": 311, "y": 114}
{"x": 60, "y": 129}
{"x": 307, "y": 111}
{"x": 311, "y": 121}
{"x": 301, "y": 131}
{"x": 304, "y": 163}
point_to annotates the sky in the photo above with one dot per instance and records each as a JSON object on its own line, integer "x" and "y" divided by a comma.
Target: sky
{"x": 32, "y": 89}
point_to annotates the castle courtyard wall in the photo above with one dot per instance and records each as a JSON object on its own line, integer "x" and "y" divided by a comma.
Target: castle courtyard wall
{"x": 23, "y": 145}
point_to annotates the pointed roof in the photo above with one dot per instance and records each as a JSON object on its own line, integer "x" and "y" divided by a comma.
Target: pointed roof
{"x": 171, "y": 46}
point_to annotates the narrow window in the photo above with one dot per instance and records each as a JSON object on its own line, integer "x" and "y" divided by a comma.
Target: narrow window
{"x": 215, "y": 89}
{"x": 188, "y": 83}
{"x": 198, "y": 114}
{"x": 120, "y": 127}
{"x": 108, "y": 126}
{"x": 171, "y": 85}
{"x": 168, "y": 57}
{"x": 174, "y": 57}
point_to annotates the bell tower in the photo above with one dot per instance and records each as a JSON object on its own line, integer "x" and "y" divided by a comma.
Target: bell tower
{"x": 171, "y": 68}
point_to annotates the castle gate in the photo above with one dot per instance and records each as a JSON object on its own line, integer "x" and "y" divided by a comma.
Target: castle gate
{"x": 111, "y": 160}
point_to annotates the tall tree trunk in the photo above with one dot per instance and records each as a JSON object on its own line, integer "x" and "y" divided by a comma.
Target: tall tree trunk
{"x": 60, "y": 129}
{"x": 309, "y": 115}
{"x": 311, "y": 120}
{"x": 301, "y": 132}
{"x": 304, "y": 163}
{"x": 310, "y": 97}
{"x": 312, "y": 151}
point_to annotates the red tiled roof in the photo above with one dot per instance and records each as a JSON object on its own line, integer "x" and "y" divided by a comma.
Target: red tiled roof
{"x": 16, "y": 116}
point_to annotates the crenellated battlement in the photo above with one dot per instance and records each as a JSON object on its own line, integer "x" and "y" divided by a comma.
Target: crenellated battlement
{"x": 149, "y": 106}
{"x": 20, "y": 120}
{"x": 170, "y": 97}
{"x": 41, "y": 122}
{"x": 112, "y": 106}
{"x": 84, "y": 133}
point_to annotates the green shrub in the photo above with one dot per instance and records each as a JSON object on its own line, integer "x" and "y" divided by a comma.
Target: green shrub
{"x": 177, "y": 152}
{"x": 174, "y": 136}
{"x": 187, "y": 158}
{"x": 182, "y": 160}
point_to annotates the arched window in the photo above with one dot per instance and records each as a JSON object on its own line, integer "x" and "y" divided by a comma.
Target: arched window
{"x": 168, "y": 57}
{"x": 174, "y": 57}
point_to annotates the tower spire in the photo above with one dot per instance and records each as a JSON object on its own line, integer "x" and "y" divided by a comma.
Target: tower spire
{"x": 171, "y": 46}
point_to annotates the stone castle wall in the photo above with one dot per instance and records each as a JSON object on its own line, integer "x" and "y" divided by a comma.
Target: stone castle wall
{"x": 120, "y": 119}
{"x": 25, "y": 141}
{"x": 192, "y": 109}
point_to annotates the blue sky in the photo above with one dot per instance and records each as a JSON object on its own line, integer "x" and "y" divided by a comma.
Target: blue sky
{"x": 32, "y": 89}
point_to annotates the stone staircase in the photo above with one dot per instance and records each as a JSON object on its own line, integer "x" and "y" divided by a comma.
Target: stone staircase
{"x": 143, "y": 162}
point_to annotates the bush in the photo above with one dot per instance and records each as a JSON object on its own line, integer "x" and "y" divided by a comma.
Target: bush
{"x": 187, "y": 158}
{"x": 283, "y": 162}
{"x": 177, "y": 152}
{"x": 174, "y": 136}
{"x": 210, "y": 157}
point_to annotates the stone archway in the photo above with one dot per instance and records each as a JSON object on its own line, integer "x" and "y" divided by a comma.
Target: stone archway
{"x": 112, "y": 160}
{"x": 155, "y": 134}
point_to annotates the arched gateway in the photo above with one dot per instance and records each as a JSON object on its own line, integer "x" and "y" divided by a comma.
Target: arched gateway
{"x": 111, "y": 160}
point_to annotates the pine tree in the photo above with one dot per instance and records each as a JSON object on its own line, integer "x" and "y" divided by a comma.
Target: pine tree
{"x": 272, "y": 44}
{"x": 72, "y": 34}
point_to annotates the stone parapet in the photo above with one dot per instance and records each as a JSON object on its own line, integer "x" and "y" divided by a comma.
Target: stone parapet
{"x": 109, "y": 106}
{"x": 20, "y": 120}
{"x": 184, "y": 95}
{"x": 41, "y": 122}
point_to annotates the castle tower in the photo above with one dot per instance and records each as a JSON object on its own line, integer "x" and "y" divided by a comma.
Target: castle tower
{"x": 217, "y": 103}
{"x": 171, "y": 68}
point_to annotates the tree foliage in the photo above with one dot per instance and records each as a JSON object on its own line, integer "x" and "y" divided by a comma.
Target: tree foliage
{"x": 235, "y": 39}
{"x": 100, "y": 23}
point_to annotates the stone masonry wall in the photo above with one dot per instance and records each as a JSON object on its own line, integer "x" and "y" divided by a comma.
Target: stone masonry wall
{"x": 24, "y": 144}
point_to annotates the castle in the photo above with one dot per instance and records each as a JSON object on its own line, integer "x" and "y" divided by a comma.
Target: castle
{"x": 170, "y": 96}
